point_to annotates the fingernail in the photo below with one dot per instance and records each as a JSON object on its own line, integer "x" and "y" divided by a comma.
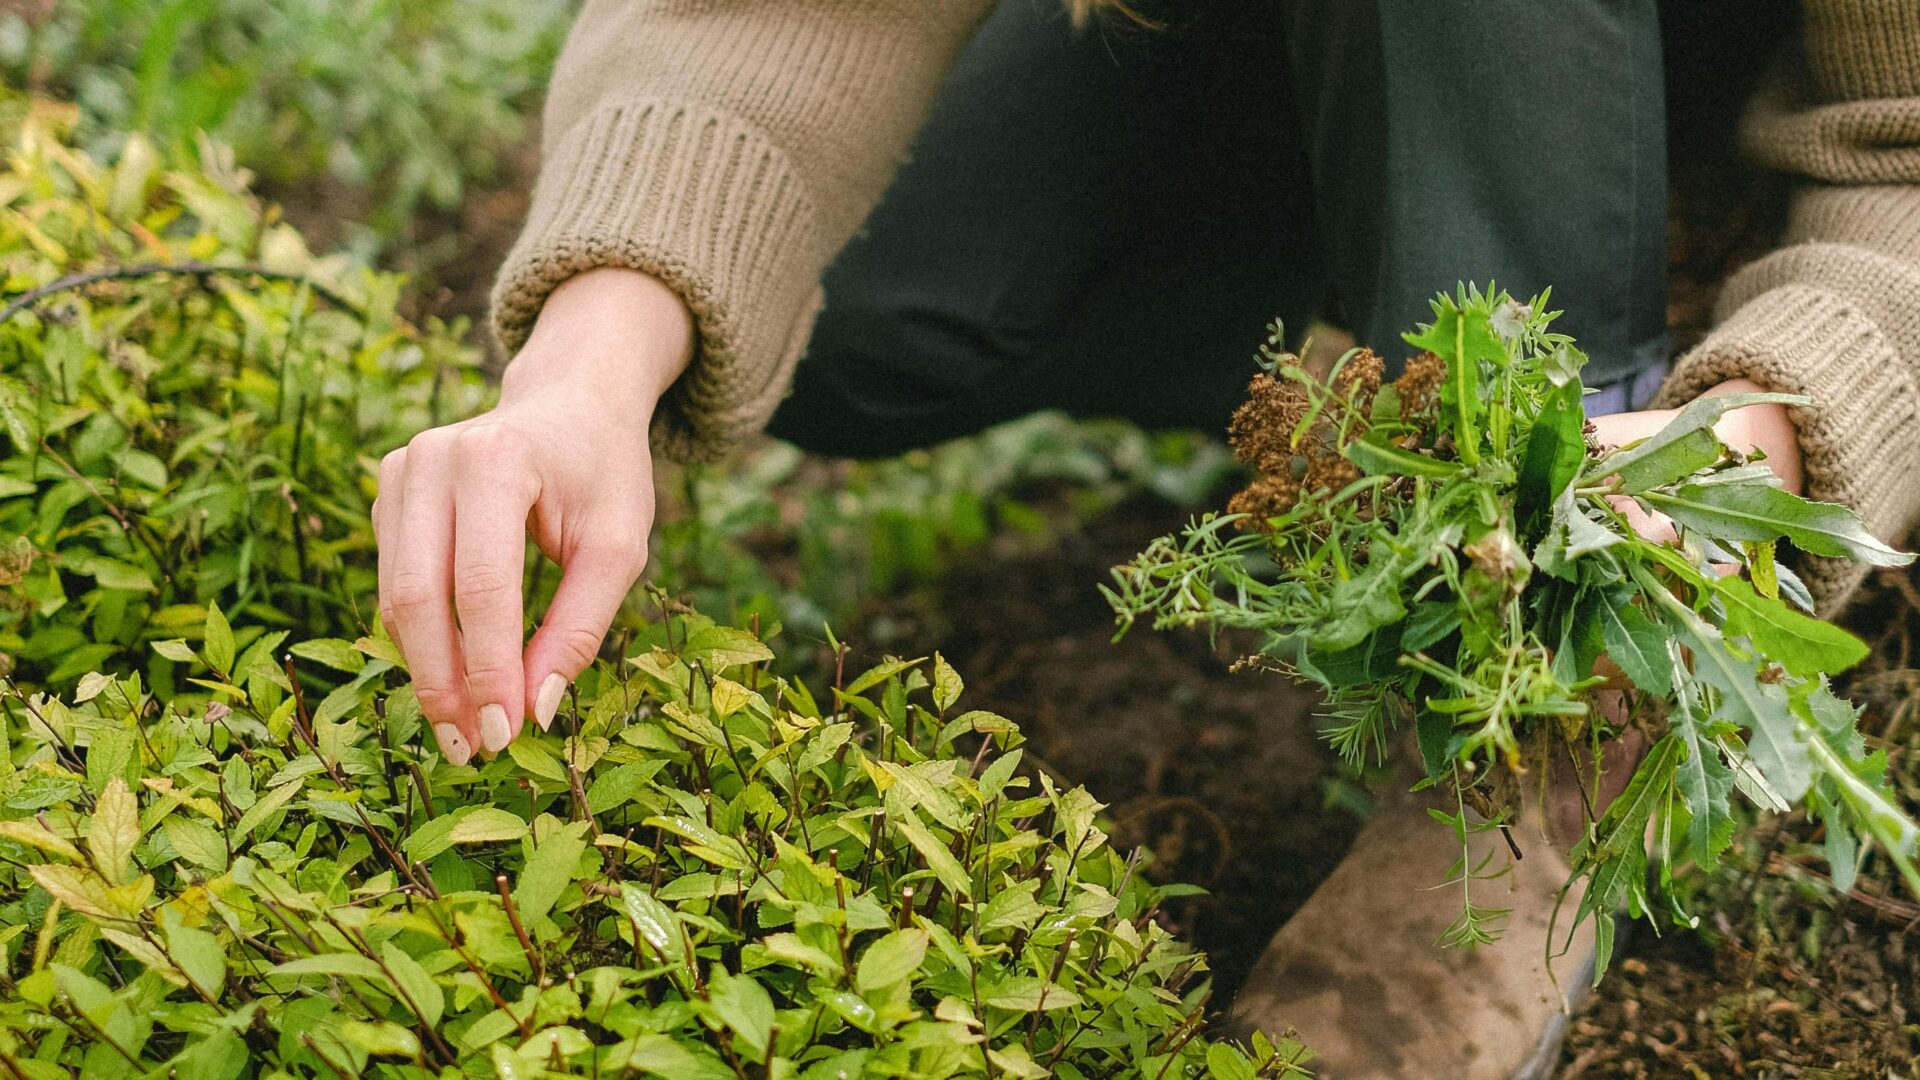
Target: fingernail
{"x": 548, "y": 703}
{"x": 452, "y": 743}
{"x": 494, "y": 732}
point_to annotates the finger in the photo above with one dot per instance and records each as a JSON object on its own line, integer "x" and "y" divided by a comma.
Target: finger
{"x": 386, "y": 512}
{"x": 419, "y": 588}
{"x": 595, "y": 581}
{"x": 491, "y": 501}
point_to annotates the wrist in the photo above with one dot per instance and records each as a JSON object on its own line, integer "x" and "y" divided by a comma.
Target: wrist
{"x": 608, "y": 337}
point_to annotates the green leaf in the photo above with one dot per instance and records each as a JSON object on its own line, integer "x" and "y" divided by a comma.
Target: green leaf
{"x": 1705, "y": 784}
{"x": 1377, "y": 458}
{"x": 175, "y": 649}
{"x": 892, "y": 959}
{"x": 1464, "y": 339}
{"x": 337, "y": 653}
{"x": 257, "y": 814}
{"x": 199, "y": 956}
{"x": 196, "y": 842}
{"x": 1028, "y": 993}
{"x": 343, "y": 964}
{"x": 1556, "y": 447}
{"x": 422, "y": 994}
{"x": 1226, "y": 1062}
{"x": 1636, "y": 643}
{"x": 659, "y": 1055}
{"x": 488, "y": 825}
{"x": 742, "y": 1005}
{"x": 1803, "y": 645}
{"x": 1360, "y": 605}
{"x": 654, "y": 920}
{"x": 1757, "y": 513}
{"x": 1666, "y": 455}
{"x": 939, "y": 859}
{"x": 218, "y": 645}
{"x": 1761, "y": 709}
{"x": 947, "y": 684}
{"x": 549, "y": 870}
{"x": 114, "y": 831}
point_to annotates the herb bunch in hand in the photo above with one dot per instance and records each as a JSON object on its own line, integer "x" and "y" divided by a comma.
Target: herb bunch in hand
{"x": 1450, "y": 550}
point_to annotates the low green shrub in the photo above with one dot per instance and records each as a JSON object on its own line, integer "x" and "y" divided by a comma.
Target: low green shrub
{"x": 193, "y": 407}
{"x": 705, "y": 871}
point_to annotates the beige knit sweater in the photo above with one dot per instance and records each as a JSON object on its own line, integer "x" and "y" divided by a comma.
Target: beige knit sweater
{"x": 731, "y": 147}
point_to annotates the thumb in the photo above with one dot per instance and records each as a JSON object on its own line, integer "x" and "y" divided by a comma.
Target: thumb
{"x": 594, "y": 582}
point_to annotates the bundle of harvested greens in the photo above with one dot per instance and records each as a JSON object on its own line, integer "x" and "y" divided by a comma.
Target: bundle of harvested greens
{"x": 1449, "y": 549}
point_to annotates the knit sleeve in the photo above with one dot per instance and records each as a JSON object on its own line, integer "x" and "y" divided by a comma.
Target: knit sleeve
{"x": 1834, "y": 313}
{"x": 728, "y": 148}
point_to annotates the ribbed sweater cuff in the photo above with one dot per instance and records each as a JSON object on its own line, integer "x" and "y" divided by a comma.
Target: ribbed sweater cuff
{"x": 1856, "y": 440}
{"x": 707, "y": 204}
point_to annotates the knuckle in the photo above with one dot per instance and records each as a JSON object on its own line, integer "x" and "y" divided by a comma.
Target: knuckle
{"x": 486, "y": 586}
{"x": 410, "y": 591}
{"x": 437, "y": 701}
{"x": 623, "y": 548}
{"x": 488, "y": 444}
{"x": 577, "y": 645}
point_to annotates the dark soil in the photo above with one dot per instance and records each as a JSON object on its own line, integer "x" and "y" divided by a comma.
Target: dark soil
{"x": 1220, "y": 775}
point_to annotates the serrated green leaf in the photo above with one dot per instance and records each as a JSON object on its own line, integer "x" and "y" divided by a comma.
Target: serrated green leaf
{"x": 1777, "y": 745}
{"x": 195, "y": 841}
{"x": 1637, "y": 644}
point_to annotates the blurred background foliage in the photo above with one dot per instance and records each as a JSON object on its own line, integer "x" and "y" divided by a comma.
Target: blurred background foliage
{"x": 393, "y": 108}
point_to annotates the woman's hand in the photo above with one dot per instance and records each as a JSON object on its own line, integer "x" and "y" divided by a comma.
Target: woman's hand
{"x": 564, "y": 457}
{"x": 1764, "y": 428}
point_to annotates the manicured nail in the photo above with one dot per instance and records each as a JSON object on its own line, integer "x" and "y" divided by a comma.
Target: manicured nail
{"x": 452, "y": 743}
{"x": 548, "y": 702}
{"x": 494, "y": 732}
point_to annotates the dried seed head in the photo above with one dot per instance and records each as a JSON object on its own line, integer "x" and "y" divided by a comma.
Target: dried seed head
{"x": 1359, "y": 378}
{"x": 1417, "y": 385}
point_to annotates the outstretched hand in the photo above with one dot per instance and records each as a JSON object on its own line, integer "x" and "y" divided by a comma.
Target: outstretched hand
{"x": 564, "y": 458}
{"x": 1756, "y": 429}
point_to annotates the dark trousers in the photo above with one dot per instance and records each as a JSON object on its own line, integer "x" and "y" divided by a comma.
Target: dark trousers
{"x": 1104, "y": 221}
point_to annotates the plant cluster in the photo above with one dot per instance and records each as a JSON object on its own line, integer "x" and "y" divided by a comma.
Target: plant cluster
{"x": 1448, "y": 550}
{"x": 704, "y": 871}
{"x": 192, "y": 408}
{"x": 402, "y": 103}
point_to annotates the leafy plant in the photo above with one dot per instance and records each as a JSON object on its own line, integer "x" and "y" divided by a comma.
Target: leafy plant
{"x": 192, "y": 408}
{"x": 703, "y": 871}
{"x": 1448, "y": 550}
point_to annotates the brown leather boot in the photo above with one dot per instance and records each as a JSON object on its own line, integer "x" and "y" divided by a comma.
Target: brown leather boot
{"x": 1359, "y": 971}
